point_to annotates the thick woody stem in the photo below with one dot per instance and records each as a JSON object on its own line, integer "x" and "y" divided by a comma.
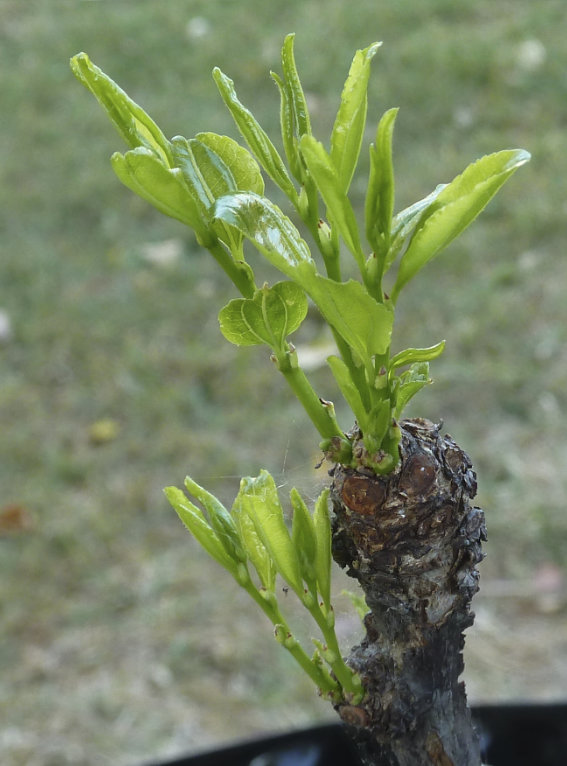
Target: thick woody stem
{"x": 413, "y": 541}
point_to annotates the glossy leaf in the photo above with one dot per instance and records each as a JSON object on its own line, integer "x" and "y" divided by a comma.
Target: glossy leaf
{"x": 243, "y": 167}
{"x": 455, "y": 207}
{"x": 339, "y": 209}
{"x": 322, "y": 525}
{"x": 348, "y": 130}
{"x": 287, "y": 125}
{"x": 411, "y": 355}
{"x": 379, "y": 205}
{"x": 259, "y": 498}
{"x": 142, "y": 172}
{"x": 220, "y": 519}
{"x": 134, "y": 125}
{"x": 254, "y": 135}
{"x": 264, "y": 224}
{"x": 199, "y": 527}
{"x": 303, "y": 537}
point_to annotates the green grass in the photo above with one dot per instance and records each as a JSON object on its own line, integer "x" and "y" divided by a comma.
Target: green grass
{"x": 121, "y": 641}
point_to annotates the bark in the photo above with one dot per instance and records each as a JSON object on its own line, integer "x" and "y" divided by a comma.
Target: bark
{"x": 412, "y": 540}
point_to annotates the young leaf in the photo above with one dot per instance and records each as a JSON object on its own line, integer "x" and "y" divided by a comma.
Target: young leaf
{"x": 254, "y": 547}
{"x": 408, "y": 384}
{"x": 349, "y": 390}
{"x": 270, "y": 231}
{"x": 287, "y": 124}
{"x": 324, "y": 173}
{"x": 255, "y": 136}
{"x": 295, "y": 91}
{"x": 348, "y": 130}
{"x": 220, "y": 519}
{"x": 303, "y": 537}
{"x": 243, "y": 167}
{"x": 362, "y": 322}
{"x": 259, "y": 498}
{"x": 133, "y": 124}
{"x": 455, "y": 207}
{"x": 322, "y": 524}
{"x": 411, "y": 355}
{"x": 236, "y": 327}
{"x": 142, "y": 172}
{"x": 379, "y": 206}
{"x": 201, "y": 530}
{"x": 405, "y": 221}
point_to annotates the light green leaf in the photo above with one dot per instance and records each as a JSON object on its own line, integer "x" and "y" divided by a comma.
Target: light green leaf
{"x": 255, "y": 136}
{"x": 220, "y": 519}
{"x": 339, "y": 209}
{"x": 134, "y": 125}
{"x": 348, "y": 130}
{"x": 362, "y": 322}
{"x": 242, "y": 165}
{"x": 411, "y": 355}
{"x": 454, "y": 208}
{"x": 142, "y": 172}
{"x": 254, "y": 547}
{"x": 379, "y": 206}
{"x": 264, "y": 224}
{"x": 287, "y": 124}
{"x": 201, "y": 530}
{"x": 349, "y": 390}
{"x": 303, "y": 537}
{"x": 269, "y": 317}
{"x": 322, "y": 524}
{"x": 294, "y": 89}
{"x": 408, "y": 384}
{"x": 259, "y": 498}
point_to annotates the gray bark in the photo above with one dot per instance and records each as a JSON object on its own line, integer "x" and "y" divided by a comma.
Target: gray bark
{"x": 412, "y": 540}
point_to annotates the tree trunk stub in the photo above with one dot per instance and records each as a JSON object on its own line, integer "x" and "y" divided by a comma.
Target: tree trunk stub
{"x": 412, "y": 540}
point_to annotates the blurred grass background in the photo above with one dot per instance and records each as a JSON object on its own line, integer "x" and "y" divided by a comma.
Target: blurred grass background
{"x": 121, "y": 642}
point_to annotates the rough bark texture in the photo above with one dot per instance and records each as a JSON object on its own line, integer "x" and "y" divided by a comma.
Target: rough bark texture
{"x": 412, "y": 540}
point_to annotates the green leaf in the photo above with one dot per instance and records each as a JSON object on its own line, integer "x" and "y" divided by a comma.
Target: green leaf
{"x": 254, "y": 547}
{"x": 220, "y": 519}
{"x": 268, "y": 317}
{"x": 348, "y": 130}
{"x": 408, "y": 385}
{"x": 303, "y": 537}
{"x": 255, "y": 136}
{"x": 411, "y": 355}
{"x": 294, "y": 89}
{"x": 142, "y": 172}
{"x": 404, "y": 223}
{"x": 287, "y": 124}
{"x": 362, "y": 322}
{"x": 455, "y": 207}
{"x": 379, "y": 206}
{"x": 339, "y": 209}
{"x": 201, "y": 530}
{"x": 258, "y": 497}
{"x": 272, "y": 233}
{"x": 349, "y": 390}
{"x": 243, "y": 167}
{"x": 134, "y": 125}
{"x": 322, "y": 524}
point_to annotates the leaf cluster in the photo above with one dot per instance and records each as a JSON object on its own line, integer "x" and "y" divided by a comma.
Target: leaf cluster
{"x": 215, "y": 186}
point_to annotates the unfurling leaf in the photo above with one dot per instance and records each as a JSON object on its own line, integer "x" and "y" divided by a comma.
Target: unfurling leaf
{"x": 408, "y": 384}
{"x": 303, "y": 537}
{"x": 322, "y": 524}
{"x": 258, "y": 497}
{"x": 379, "y": 205}
{"x": 135, "y": 126}
{"x": 412, "y": 355}
{"x": 254, "y": 135}
{"x": 254, "y": 547}
{"x": 454, "y": 208}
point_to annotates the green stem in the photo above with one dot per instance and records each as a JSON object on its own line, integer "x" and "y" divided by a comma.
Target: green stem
{"x": 239, "y": 276}
{"x": 321, "y": 679}
{"x": 345, "y": 675}
{"x": 322, "y": 414}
